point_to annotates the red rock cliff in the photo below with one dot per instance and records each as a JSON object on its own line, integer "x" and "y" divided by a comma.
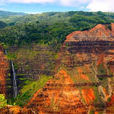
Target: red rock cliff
{"x": 112, "y": 26}
{"x": 84, "y": 75}
{"x": 3, "y": 71}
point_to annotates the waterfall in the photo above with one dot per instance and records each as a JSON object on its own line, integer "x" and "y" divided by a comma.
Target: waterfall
{"x": 15, "y": 92}
{"x": 5, "y": 51}
{"x": 14, "y": 80}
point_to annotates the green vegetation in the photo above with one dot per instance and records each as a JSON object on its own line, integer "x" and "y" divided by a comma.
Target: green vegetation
{"x": 50, "y": 28}
{"x": 29, "y": 89}
{"x": 2, "y": 24}
{"x": 101, "y": 71}
{"x": 9, "y": 17}
{"x": 3, "y": 101}
{"x": 36, "y": 85}
{"x": 11, "y": 56}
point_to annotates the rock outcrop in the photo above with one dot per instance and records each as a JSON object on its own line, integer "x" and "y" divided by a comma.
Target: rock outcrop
{"x": 112, "y": 27}
{"x": 3, "y": 71}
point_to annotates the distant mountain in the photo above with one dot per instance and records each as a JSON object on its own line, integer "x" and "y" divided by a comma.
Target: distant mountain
{"x": 2, "y": 24}
{"x": 7, "y": 14}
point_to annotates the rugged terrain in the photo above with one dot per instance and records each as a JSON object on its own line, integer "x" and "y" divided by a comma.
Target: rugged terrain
{"x": 3, "y": 71}
{"x": 84, "y": 82}
{"x": 84, "y": 79}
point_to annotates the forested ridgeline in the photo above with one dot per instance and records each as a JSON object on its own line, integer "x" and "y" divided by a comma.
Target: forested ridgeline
{"x": 48, "y": 28}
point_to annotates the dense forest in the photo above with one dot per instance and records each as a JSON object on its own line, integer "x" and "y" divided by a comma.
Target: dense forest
{"x": 48, "y": 28}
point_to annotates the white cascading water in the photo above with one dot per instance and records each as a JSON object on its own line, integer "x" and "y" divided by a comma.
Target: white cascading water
{"x": 14, "y": 80}
{"x": 15, "y": 92}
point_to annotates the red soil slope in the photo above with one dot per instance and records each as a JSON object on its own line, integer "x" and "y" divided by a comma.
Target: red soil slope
{"x": 59, "y": 95}
{"x": 3, "y": 71}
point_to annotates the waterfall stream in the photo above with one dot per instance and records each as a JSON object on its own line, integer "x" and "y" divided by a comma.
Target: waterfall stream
{"x": 15, "y": 92}
{"x": 14, "y": 80}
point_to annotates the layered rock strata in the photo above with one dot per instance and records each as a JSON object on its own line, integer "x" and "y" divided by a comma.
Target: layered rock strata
{"x": 3, "y": 71}
{"x": 84, "y": 82}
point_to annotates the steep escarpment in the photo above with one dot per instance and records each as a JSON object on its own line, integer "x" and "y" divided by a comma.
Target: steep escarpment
{"x": 3, "y": 71}
{"x": 84, "y": 79}
{"x": 34, "y": 65}
{"x": 93, "y": 52}
{"x": 95, "y": 49}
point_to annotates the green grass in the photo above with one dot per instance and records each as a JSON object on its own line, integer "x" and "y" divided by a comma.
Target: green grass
{"x": 36, "y": 85}
{"x": 3, "y": 101}
{"x": 101, "y": 70}
{"x": 11, "y": 56}
{"x": 29, "y": 89}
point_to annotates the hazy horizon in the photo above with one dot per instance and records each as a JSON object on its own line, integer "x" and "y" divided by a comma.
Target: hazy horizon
{"x": 49, "y": 11}
{"x": 40, "y": 6}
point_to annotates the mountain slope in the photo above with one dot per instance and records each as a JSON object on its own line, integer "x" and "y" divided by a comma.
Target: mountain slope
{"x": 2, "y": 24}
{"x": 49, "y": 28}
{"x": 7, "y": 14}
{"x": 10, "y": 17}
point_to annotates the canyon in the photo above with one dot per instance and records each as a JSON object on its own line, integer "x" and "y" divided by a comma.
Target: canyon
{"x": 83, "y": 82}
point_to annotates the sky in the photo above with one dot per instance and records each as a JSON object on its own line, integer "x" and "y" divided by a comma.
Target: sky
{"x": 39, "y": 6}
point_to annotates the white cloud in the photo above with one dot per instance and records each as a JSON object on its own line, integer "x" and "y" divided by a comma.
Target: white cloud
{"x": 33, "y": 12}
{"x": 63, "y": 2}
{"x": 2, "y": 2}
{"x": 73, "y": 2}
{"x": 68, "y": 2}
{"x": 101, "y": 5}
{"x": 2, "y": 9}
{"x": 92, "y": 5}
{"x": 31, "y": 1}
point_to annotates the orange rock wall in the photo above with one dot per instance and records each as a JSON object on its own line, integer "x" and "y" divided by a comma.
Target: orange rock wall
{"x": 74, "y": 89}
{"x": 112, "y": 27}
{"x": 3, "y": 71}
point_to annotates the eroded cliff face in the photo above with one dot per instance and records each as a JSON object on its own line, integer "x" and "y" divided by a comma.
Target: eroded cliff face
{"x": 84, "y": 82}
{"x": 59, "y": 95}
{"x": 84, "y": 79}
{"x": 91, "y": 55}
{"x": 3, "y": 71}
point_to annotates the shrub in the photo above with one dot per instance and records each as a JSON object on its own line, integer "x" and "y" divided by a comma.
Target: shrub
{"x": 3, "y": 101}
